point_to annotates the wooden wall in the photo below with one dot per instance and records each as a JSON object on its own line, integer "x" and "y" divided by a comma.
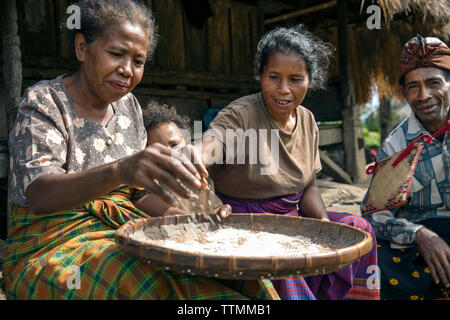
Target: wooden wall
{"x": 193, "y": 68}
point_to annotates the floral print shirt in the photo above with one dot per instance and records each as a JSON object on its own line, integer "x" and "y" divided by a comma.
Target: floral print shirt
{"x": 49, "y": 137}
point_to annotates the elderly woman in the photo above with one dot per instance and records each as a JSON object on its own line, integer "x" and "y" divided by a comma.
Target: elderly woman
{"x": 289, "y": 62}
{"x": 78, "y": 148}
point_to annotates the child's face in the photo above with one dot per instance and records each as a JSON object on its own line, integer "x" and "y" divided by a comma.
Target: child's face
{"x": 167, "y": 134}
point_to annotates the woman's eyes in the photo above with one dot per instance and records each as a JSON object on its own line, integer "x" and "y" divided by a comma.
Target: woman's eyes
{"x": 137, "y": 62}
{"x": 295, "y": 79}
{"x": 115, "y": 54}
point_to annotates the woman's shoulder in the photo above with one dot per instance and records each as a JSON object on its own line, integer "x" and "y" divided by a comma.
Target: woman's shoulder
{"x": 305, "y": 112}
{"x": 43, "y": 88}
{"x": 245, "y": 103}
{"x": 245, "y": 106}
{"x": 47, "y": 97}
{"x": 306, "y": 115}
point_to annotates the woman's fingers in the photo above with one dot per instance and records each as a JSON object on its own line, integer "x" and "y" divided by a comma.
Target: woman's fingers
{"x": 174, "y": 164}
{"x": 225, "y": 211}
{"x": 193, "y": 155}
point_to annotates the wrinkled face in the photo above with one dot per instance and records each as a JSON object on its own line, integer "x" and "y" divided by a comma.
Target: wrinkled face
{"x": 114, "y": 64}
{"x": 428, "y": 94}
{"x": 284, "y": 82}
{"x": 168, "y": 134}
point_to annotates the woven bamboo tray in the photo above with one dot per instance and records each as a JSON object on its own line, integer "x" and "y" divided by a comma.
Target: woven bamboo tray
{"x": 347, "y": 245}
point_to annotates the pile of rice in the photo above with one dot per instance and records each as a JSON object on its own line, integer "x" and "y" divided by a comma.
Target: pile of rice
{"x": 231, "y": 241}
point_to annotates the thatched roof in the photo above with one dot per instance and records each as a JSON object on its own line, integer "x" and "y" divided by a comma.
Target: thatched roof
{"x": 403, "y": 20}
{"x": 375, "y": 54}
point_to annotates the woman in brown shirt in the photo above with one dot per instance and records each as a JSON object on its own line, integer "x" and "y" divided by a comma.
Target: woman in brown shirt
{"x": 265, "y": 147}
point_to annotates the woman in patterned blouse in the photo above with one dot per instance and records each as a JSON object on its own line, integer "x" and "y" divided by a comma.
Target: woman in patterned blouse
{"x": 77, "y": 149}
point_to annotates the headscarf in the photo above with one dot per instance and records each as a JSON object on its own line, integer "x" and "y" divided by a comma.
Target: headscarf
{"x": 422, "y": 52}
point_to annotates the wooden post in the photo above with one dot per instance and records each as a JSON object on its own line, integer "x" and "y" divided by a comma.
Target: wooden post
{"x": 386, "y": 105}
{"x": 12, "y": 65}
{"x": 355, "y": 158}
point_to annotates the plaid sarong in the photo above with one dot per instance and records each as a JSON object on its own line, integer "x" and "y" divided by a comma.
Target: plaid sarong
{"x": 348, "y": 283}
{"x": 72, "y": 255}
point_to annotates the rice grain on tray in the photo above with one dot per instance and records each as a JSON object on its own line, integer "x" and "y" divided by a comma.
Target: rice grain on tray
{"x": 231, "y": 241}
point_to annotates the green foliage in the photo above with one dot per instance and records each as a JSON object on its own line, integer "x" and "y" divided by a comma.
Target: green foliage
{"x": 371, "y": 138}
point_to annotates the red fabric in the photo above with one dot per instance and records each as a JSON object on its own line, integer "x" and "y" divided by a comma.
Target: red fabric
{"x": 422, "y": 52}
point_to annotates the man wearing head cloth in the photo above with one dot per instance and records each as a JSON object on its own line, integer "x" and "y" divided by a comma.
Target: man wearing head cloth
{"x": 413, "y": 240}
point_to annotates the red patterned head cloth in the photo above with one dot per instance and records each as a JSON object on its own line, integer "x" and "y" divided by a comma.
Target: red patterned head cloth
{"x": 422, "y": 52}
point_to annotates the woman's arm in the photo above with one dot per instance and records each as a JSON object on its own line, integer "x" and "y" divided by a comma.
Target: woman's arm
{"x": 155, "y": 207}
{"x": 55, "y": 192}
{"x": 311, "y": 203}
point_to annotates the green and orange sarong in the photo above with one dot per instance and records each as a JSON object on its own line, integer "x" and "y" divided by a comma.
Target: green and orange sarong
{"x": 72, "y": 255}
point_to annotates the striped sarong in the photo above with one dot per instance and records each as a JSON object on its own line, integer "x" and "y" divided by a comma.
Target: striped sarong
{"x": 72, "y": 255}
{"x": 348, "y": 283}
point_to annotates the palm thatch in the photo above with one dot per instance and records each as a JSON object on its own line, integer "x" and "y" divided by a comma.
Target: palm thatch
{"x": 375, "y": 53}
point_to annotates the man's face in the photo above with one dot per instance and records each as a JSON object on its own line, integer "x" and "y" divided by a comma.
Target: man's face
{"x": 428, "y": 93}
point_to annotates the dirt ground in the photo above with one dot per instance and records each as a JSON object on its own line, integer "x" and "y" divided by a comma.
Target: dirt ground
{"x": 336, "y": 197}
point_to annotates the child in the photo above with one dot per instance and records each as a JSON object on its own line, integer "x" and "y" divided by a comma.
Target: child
{"x": 163, "y": 126}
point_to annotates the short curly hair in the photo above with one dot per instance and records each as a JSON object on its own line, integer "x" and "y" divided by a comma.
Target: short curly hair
{"x": 299, "y": 41}
{"x": 98, "y": 15}
{"x": 155, "y": 113}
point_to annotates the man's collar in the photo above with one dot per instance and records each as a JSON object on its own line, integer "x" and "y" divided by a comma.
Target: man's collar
{"x": 415, "y": 127}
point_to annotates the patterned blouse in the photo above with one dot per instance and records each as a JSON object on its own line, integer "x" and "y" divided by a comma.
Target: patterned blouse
{"x": 49, "y": 137}
{"x": 430, "y": 187}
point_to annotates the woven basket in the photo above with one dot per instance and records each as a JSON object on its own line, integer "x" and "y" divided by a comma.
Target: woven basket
{"x": 347, "y": 245}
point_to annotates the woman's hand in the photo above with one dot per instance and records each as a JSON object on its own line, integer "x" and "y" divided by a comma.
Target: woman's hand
{"x": 157, "y": 165}
{"x": 195, "y": 156}
{"x": 436, "y": 254}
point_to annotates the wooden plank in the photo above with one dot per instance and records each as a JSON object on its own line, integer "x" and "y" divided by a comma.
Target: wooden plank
{"x": 301, "y": 12}
{"x": 241, "y": 52}
{"x": 185, "y": 94}
{"x": 212, "y": 81}
{"x": 196, "y": 46}
{"x": 64, "y": 39}
{"x": 219, "y": 40}
{"x": 170, "y": 53}
{"x": 330, "y": 135}
{"x": 331, "y": 169}
{"x": 38, "y": 27}
{"x": 4, "y": 164}
{"x": 256, "y": 29}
